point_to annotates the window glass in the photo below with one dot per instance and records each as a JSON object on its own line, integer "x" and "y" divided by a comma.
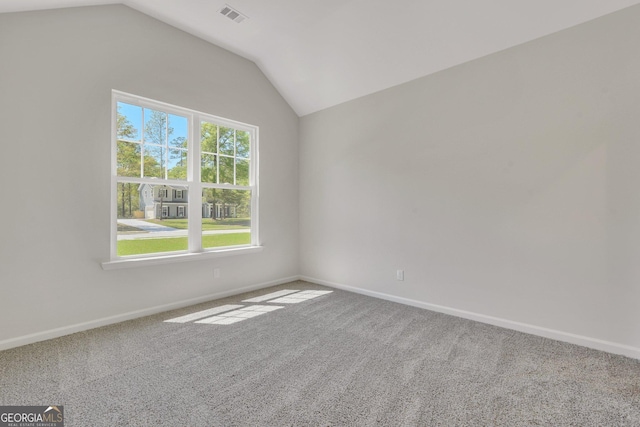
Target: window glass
{"x": 154, "y": 188}
{"x": 226, "y": 217}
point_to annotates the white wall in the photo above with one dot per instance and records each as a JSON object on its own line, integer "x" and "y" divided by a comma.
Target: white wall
{"x": 57, "y": 70}
{"x": 506, "y": 187}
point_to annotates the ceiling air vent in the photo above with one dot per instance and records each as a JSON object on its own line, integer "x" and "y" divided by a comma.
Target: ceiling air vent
{"x": 232, "y": 14}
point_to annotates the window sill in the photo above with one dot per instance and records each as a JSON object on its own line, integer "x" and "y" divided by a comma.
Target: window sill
{"x": 173, "y": 258}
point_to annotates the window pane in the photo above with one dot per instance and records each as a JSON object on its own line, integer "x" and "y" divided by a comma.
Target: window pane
{"x": 129, "y": 122}
{"x": 178, "y": 131}
{"x": 226, "y": 218}
{"x": 242, "y": 172}
{"x": 154, "y": 161}
{"x": 177, "y": 166}
{"x": 208, "y": 137}
{"x": 150, "y": 219}
{"x": 155, "y": 127}
{"x": 128, "y": 159}
{"x": 208, "y": 168}
{"x": 226, "y": 170}
{"x": 243, "y": 144}
{"x": 226, "y": 141}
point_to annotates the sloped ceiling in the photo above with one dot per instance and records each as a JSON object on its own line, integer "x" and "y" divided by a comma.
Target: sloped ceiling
{"x": 320, "y": 53}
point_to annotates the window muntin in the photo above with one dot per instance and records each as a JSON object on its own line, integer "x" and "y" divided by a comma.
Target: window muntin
{"x": 202, "y": 196}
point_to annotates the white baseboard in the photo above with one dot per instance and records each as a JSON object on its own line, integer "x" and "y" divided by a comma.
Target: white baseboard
{"x": 71, "y": 329}
{"x": 594, "y": 343}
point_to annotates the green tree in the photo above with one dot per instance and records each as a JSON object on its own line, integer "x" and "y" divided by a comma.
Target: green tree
{"x": 128, "y": 164}
{"x": 178, "y": 159}
{"x": 219, "y": 147}
{"x": 167, "y": 151}
{"x": 128, "y": 158}
{"x": 156, "y": 131}
{"x": 209, "y": 148}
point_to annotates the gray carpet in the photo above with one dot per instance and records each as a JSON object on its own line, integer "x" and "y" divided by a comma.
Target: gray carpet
{"x": 341, "y": 359}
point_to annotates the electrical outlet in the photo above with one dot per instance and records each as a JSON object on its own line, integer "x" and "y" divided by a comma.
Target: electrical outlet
{"x": 216, "y": 273}
{"x": 400, "y": 275}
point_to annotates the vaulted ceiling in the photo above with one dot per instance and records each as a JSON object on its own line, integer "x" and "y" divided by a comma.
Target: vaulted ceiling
{"x": 320, "y": 53}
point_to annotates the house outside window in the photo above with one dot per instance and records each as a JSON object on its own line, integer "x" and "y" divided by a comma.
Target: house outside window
{"x": 190, "y": 174}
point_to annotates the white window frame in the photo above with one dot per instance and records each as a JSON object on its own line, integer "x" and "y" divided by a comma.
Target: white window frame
{"x": 180, "y": 212}
{"x": 193, "y": 185}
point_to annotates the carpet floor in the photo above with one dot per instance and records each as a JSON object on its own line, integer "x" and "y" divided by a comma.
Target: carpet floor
{"x": 332, "y": 359}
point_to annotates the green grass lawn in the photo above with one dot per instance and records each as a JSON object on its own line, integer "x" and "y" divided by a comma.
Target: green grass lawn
{"x": 128, "y": 229}
{"x": 207, "y": 223}
{"x": 172, "y": 244}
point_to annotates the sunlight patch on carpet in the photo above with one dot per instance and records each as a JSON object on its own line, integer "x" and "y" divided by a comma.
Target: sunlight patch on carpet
{"x": 239, "y": 315}
{"x": 299, "y": 297}
{"x": 271, "y": 295}
{"x": 204, "y": 313}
